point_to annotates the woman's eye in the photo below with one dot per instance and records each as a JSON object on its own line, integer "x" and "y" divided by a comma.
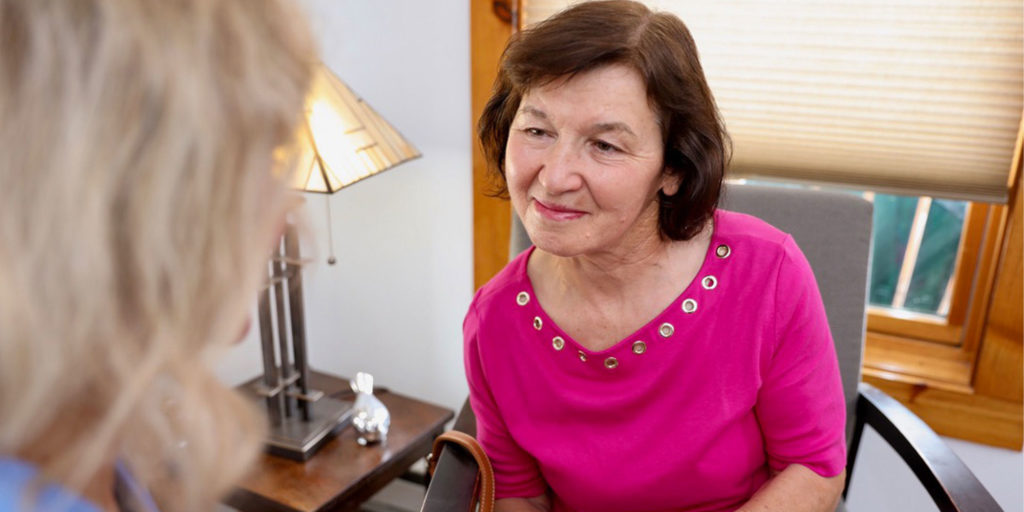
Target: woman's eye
{"x": 534, "y": 132}
{"x": 605, "y": 147}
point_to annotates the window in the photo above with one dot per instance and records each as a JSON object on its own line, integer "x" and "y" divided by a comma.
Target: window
{"x": 924, "y": 263}
{"x": 915, "y": 247}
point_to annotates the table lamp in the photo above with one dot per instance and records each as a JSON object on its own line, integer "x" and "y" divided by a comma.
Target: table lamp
{"x": 341, "y": 141}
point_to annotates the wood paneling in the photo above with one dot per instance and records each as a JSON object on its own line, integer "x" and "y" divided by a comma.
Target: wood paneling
{"x": 973, "y": 417}
{"x": 915, "y": 326}
{"x": 967, "y": 260}
{"x": 921, "y": 363}
{"x": 491, "y": 216}
{"x": 986, "y": 277}
{"x": 1001, "y": 360}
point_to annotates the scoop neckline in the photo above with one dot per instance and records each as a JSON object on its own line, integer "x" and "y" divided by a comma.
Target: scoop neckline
{"x": 673, "y": 306}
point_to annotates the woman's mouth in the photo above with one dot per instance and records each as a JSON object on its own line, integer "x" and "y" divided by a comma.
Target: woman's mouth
{"x": 556, "y": 212}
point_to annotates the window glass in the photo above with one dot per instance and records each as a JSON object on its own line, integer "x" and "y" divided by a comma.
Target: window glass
{"x": 893, "y": 218}
{"x": 926, "y": 230}
{"x": 937, "y": 258}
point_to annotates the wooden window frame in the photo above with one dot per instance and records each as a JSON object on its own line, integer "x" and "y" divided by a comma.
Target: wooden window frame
{"x": 948, "y": 330}
{"x": 962, "y": 375}
{"x": 899, "y": 341}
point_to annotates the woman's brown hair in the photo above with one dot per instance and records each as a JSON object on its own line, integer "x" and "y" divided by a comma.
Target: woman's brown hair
{"x": 660, "y": 48}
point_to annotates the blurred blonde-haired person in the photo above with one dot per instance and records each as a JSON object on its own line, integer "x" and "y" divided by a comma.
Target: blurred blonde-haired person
{"x": 138, "y": 202}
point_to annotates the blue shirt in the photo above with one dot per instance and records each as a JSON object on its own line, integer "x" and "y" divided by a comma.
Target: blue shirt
{"x": 16, "y": 478}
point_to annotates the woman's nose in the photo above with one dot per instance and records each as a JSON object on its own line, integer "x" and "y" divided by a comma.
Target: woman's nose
{"x": 561, "y": 170}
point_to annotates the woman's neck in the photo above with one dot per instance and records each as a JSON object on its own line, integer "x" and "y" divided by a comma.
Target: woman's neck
{"x": 600, "y": 298}
{"x": 610, "y": 273}
{"x": 619, "y": 274}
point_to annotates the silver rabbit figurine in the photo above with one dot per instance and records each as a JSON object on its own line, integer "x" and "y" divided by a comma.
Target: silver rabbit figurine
{"x": 370, "y": 417}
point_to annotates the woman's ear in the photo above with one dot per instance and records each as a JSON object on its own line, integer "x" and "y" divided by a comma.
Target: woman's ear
{"x": 670, "y": 182}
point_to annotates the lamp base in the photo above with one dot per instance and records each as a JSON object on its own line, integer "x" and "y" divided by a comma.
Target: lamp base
{"x": 292, "y": 437}
{"x": 296, "y": 439}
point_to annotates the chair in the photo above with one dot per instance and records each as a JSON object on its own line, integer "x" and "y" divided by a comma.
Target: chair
{"x": 834, "y": 231}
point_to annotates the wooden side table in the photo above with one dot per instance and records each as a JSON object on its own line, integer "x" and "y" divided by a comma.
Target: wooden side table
{"x": 343, "y": 474}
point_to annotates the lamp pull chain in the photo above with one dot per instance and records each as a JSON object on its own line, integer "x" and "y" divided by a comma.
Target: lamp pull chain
{"x": 331, "y": 260}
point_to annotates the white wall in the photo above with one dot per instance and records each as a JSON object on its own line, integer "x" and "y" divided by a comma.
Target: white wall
{"x": 393, "y": 305}
{"x": 882, "y": 482}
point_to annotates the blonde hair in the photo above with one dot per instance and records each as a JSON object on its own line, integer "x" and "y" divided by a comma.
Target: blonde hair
{"x": 137, "y": 209}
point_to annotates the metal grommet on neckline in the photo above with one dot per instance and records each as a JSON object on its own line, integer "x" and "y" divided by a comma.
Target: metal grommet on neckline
{"x": 583, "y": 357}
{"x": 666, "y": 330}
{"x": 639, "y": 347}
{"x": 709, "y": 282}
{"x": 523, "y": 298}
{"x": 611, "y": 363}
{"x": 537, "y": 323}
{"x": 689, "y": 306}
{"x": 723, "y": 251}
{"x": 558, "y": 343}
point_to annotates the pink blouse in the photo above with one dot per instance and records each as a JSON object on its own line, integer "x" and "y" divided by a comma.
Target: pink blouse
{"x": 735, "y": 378}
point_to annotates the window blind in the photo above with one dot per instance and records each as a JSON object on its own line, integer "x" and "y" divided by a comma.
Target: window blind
{"x": 901, "y": 96}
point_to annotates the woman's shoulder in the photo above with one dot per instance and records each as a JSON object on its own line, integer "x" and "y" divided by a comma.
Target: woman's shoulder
{"x": 509, "y": 282}
{"x": 742, "y": 226}
{"x": 764, "y": 247}
{"x": 743, "y": 230}
{"x": 17, "y": 482}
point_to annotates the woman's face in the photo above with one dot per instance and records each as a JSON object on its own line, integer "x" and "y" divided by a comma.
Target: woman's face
{"x": 584, "y": 164}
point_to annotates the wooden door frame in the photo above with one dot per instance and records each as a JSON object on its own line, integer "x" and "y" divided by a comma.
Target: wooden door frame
{"x": 491, "y": 24}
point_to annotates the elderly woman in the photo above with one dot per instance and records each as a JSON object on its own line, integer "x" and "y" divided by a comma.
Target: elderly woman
{"x": 650, "y": 352}
{"x": 138, "y": 205}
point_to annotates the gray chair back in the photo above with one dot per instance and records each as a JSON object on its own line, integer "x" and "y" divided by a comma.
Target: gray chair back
{"x": 833, "y": 229}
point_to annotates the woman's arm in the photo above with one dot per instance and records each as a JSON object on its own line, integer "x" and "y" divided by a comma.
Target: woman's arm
{"x": 536, "y": 504}
{"x": 515, "y": 471}
{"x": 801, "y": 407}
{"x": 796, "y": 489}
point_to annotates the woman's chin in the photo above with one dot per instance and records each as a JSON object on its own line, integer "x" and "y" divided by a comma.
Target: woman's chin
{"x": 558, "y": 246}
{"x": 562, "y": 238}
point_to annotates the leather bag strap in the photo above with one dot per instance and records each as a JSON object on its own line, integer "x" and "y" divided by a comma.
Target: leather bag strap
{"x": 484, "y": 486}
